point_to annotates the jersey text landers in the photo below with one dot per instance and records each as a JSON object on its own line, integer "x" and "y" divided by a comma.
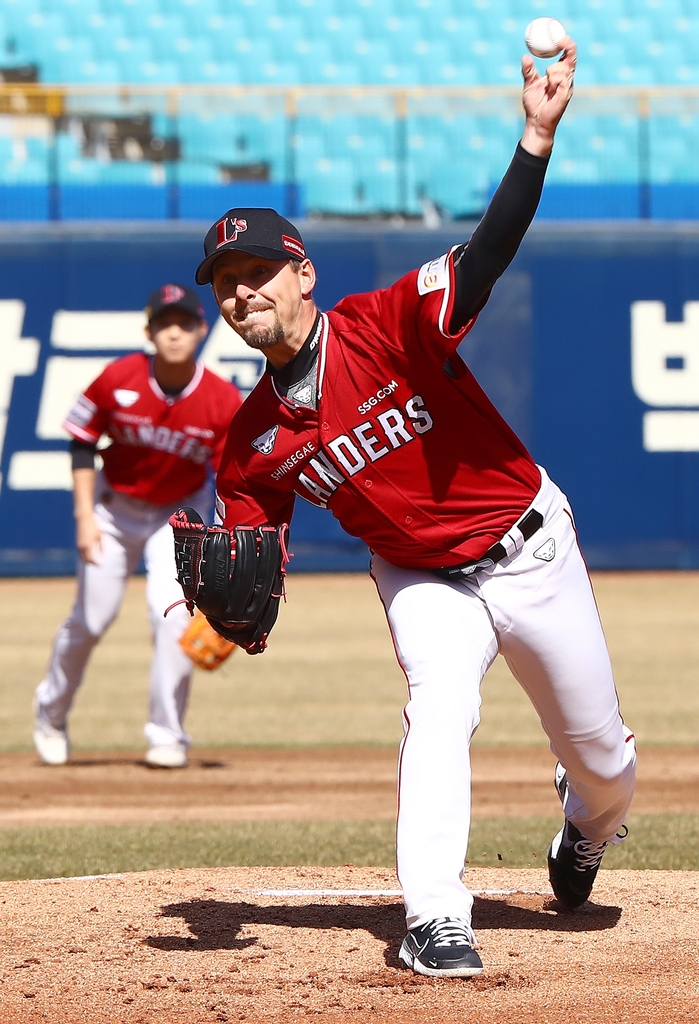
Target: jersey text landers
{"x": 387, "y": 432}
{"x": 160, "y": 444}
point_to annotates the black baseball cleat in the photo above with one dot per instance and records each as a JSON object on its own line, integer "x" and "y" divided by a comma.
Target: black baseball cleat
{"x": 573, "y": 860}
{"x": 443, "y": 948}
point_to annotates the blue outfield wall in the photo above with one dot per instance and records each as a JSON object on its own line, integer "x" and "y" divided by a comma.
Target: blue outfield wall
{"x": 589, "y": 346}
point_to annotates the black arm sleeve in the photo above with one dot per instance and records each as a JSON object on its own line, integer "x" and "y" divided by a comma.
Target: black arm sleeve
{"x": 493, "y": 245}
{"x": 82, "y": 455}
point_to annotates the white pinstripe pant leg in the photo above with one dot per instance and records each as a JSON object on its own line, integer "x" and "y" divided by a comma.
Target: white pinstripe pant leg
{"x": 542, "y": 616}
{"x": 444, "y": 641}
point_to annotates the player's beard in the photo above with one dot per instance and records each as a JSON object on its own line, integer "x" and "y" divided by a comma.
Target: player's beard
{"x": 257, "y": 335}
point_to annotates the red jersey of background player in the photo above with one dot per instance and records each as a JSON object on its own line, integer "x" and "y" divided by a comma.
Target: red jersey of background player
{"x": 405, "y": 448}
{"x": 160, "y": 443}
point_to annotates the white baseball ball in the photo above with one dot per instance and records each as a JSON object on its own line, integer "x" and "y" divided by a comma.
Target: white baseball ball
{"x": 543, "y": 37}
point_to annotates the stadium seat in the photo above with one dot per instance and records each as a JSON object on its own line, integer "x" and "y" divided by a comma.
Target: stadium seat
{"x": 377, "y": 186}
{"x": 308, "y": 149}
{"x": 460, "y": 187}
{"x": 133, "y": 11}
{"x": 331, "y": 187}
{"x": 81, "y": 171}
{"x": 75, "y": 12}
{"x": 126, "y": 172}
{"x": 36, "y": 32}
{"x": 224, "y": 30}
{"x": 195, "y": 13}
{"x": 149, "y": 72}
{"x": 659, "y": 9}
{"x": 284, "y": 30}
{"x": 60, "y": 58}
{"x": 377, "y": 10}
{"x": 6, "y": 150}
{"x": 192, "y": 55}
{"x": 16, "y": 11}
{"x": 190, "y": 172}
{"x": 340, "y": 30}
{"x": 24, "y": 172}
{"x": 128, "y": 52}
{"x": 217, "y": 73}
{"x": 687, "y": 35}
{"x": 249, "y": 52}
{"x": 309, "y": 55}
{"x": 340, "y": 73}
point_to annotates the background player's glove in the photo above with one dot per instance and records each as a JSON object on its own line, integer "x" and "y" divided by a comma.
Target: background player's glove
{"x": 203, "y": 645}
{"x": 235, "y": 577}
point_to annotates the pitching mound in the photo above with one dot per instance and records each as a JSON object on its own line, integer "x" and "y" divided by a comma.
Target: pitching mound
{"x": 288, "y": 944}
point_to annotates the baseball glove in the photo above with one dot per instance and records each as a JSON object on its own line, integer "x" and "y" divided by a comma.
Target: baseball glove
{"x": 234, "y": 577}
{"x": 203, "y": 645}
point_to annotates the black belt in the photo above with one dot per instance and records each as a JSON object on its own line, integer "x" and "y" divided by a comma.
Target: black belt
{"x": 527, "y": 526}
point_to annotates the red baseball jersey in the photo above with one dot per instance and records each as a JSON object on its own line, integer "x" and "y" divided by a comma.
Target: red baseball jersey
{"x": 405, "y": 449}
{"x": 160, "y": 444}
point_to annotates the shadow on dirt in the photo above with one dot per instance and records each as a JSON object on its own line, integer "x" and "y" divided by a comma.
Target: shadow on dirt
{"x": 128, "y": 762}
{"x": 216, "y": 924}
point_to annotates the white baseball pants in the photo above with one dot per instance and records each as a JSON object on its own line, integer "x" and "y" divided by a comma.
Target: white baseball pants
{"x": 537, "y": 608}
{"x": 130, "y": 528}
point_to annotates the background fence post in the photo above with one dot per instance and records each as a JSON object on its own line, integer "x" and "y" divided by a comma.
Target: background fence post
{"x": 401, "y": 108}
{"x": 644, "y": 190}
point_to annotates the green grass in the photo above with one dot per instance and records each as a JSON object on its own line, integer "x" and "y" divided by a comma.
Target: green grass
{"x": 40, "y": 852}
{"x": 658, "y": 842}
{"x": 668, "y": 842}
{"x": 330, "y": 675}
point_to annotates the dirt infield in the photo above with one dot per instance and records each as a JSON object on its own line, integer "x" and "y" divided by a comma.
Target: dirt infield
{"x": 329, "y": 783}
{"x": 207, "y": 946}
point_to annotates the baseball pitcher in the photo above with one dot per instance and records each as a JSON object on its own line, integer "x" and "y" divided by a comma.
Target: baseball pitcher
{"x": 368, "y": 411}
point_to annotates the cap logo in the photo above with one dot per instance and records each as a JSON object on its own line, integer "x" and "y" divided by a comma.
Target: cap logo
{"x": 170, "y": 294}
{"x": 293, "y": 245}
{"x": 227, "y": 230}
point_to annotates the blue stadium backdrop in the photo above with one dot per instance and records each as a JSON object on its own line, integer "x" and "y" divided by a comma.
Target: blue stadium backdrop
{"x": 589, "y": 347}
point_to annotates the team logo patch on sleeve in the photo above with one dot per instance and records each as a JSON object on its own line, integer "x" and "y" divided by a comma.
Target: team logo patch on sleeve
{"x": 432, "y": 276}
{"x": 82, "y": 412}
{"x": 265, "y": 442}
{"x": 125, "y": 397}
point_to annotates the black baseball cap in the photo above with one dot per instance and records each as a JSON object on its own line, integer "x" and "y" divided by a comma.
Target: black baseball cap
{"x": 255, "y": 230}
{"x": 169, "y": 295}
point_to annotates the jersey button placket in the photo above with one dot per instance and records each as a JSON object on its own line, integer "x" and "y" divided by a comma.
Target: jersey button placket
{"x": 368, "y": 483}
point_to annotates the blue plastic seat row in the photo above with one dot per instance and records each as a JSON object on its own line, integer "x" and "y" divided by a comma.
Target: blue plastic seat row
{"x": 383, "y": 41}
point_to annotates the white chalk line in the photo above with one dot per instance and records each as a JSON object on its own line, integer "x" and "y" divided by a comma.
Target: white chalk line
{"x": 324, "y": 893}
{"x": 361, "y": 893}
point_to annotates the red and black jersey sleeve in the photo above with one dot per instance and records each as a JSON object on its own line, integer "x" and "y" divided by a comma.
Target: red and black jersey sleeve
{"x": 238, "y": 507}
{"x": 88, "y": 419}
{"x": 413, "y": 312}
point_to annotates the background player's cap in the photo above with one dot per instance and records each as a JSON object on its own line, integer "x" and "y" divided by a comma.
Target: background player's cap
{"x": 169, "y": 295}
{"x": 255, "y": 230}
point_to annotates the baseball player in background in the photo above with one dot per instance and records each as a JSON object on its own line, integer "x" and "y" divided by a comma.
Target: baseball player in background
{"x": 167, "y": 418}
{"x": 369, "y": 411}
